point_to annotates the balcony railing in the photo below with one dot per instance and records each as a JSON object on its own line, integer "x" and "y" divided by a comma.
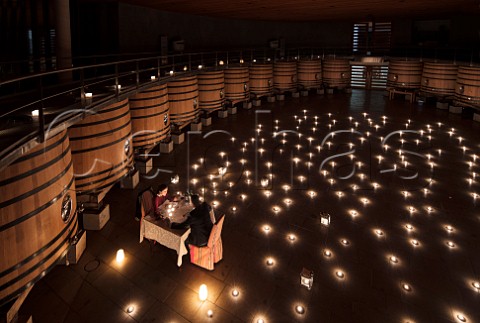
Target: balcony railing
{"x": 34, "y": 105}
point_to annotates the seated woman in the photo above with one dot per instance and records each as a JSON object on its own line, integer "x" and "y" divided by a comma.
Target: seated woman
{"x": 161, "y": 197}
{"x": 199, "y": 222}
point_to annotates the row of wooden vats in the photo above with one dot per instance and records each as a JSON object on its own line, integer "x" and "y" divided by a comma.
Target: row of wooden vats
{"x": 39, "y": 191}
{"x": 459, "y": 83}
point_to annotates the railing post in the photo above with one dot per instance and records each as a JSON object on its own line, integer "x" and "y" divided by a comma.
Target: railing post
{"x": 137, "y": 73}
{"x": 116, "y": 80}
{"x": 41, "y": 120}
{"x": 82, "y": 88}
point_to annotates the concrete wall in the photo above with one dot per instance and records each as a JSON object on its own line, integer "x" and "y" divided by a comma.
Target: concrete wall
{"x": 123, "y": 28}
{"x": 455, "y": 38}
{"x": 140, "y": 30}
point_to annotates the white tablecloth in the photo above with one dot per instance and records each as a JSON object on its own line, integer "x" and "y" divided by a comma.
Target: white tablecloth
{"x": 159, "y": 231}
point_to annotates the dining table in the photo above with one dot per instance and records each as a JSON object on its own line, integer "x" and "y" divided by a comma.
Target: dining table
{"x": 157, "y": 228}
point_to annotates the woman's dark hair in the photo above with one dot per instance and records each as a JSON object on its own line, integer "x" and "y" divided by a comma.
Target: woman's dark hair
{"x": 161, "y": 187}
{"x": 196, "y": 200}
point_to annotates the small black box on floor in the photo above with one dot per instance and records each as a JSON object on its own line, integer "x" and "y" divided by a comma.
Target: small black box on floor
{"x": 271, "y": 99}
{"x": 304, "y": 93}
{"x": 256, "y": 102}
{"x": 329, "y": 91}
{"x": 280, "y": 97}
{"x": 320, "y": 91}
{"x": 295, "y": 94}
{"x": 232, "y": 110}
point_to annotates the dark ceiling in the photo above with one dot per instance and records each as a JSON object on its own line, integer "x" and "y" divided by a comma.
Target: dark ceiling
{"x": 315, "y": 10}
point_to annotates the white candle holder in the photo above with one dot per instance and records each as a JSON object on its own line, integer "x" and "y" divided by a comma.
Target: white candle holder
{"x": 324, "y": 219}
{"x": 306, "y": 278}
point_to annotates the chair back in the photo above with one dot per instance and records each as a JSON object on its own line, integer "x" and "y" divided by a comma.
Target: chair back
{"x": 212, "y": 216}
{"x": 216, "y": 232}
{"x": 147, "y": 203}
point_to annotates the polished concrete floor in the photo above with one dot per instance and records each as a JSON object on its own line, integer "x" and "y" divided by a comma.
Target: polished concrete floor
{"x": 424, "y": 213}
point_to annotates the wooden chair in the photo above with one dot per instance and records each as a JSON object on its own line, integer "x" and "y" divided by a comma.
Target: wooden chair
{"x": 147, "y": 207}
{"x": 146, "y": 203}
{"x": 212, "y": 253}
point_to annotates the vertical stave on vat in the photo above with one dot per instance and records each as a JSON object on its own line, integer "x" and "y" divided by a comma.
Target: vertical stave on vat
{"x": 39, "y": 220}
{"x": 467, "y": 88}
{"x": 211, "y": 90}
{"x": 183, "y": 100}
{"x": 404, "y": 74}
{"x": 261, "y": 79}
{"x": 336, "y": 73}
{"x": 439, "y": 79}
{"x": 285, "y": 76}
{"x": 101, "y": 148}
{"x": 149, "y": 112}
{"x": 237, "y": 84}
{"x": 309, "y": 73}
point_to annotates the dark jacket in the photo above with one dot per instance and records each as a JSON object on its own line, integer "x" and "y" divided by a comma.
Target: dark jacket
{"x": 199, "y": 221}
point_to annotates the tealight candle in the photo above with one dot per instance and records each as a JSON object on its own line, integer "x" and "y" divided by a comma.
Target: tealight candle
{"x": 476, "y": 285}
{"x": 407, "y": 287}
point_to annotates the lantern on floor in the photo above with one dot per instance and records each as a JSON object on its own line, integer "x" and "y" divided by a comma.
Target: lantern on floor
{"x": 120, "y": 256}
{"x": 203, "y": 292}
{"x": 306, "y": 278}
{"x": 325, "y": 218}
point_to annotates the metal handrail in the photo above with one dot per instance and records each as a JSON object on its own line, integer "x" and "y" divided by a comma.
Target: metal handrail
{"x": 90, "y": 76}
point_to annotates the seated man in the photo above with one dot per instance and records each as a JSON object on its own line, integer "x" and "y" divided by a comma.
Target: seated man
{"x": 199, "y": 222}
{"x": 161, "y": 197}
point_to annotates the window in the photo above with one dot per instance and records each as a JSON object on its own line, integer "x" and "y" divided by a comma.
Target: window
{"x": 372, "y": 38}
